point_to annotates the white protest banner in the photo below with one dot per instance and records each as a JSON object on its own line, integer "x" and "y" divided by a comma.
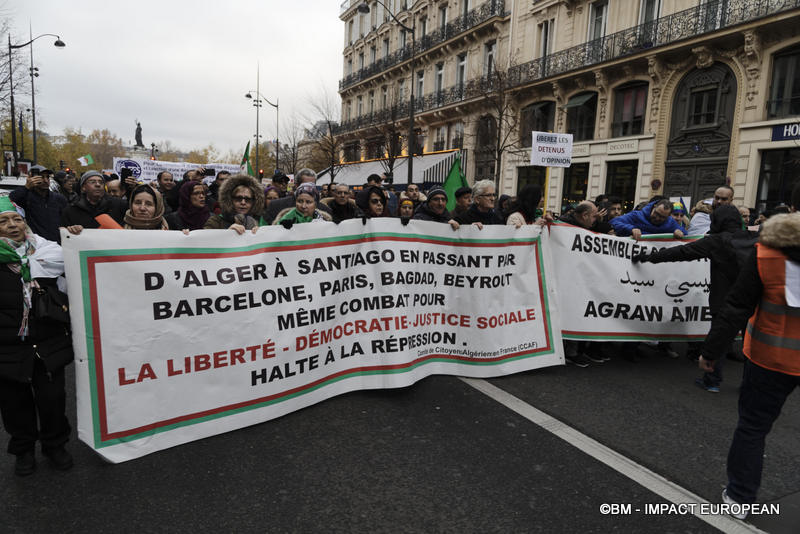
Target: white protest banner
{"x": 551, "y": 149}
{"x": 179, "y": 337}
{"x": 603, "y": 296}
{"x": 146, "y": 170}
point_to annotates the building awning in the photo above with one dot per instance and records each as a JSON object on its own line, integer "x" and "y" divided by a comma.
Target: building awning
{"x": 579, "y": 100}
{"x": 539, "y": 105}
{"x": 425, "y": 167}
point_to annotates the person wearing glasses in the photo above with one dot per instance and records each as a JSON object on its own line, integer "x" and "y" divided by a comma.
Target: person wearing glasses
{"x": 482, "y": 210}
{"x": 373, "y": 202}
{"x": 94, "y": 201}
{"x": 241, "y": 200}
{"x": 193, "y": 209}
{"x": 342, "y": 206}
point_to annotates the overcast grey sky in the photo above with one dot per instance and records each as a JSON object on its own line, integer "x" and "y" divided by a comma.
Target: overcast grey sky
{"x": 181, "y": 67}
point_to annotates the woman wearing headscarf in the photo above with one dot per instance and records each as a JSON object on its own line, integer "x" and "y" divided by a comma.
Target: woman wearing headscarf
{"x": 146, "y": 209}
{"x": 241, "y": 200}
{"x": 34, "y": 348}
{"x": 193, "y": 211}
{"x": 305, "y": 209}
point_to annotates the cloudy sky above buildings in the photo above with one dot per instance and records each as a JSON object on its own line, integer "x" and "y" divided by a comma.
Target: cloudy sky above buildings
{"x": 181, "y": 67}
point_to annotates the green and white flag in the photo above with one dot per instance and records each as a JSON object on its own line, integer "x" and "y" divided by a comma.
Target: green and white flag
{"x": 246, "y": 168}
{"x": 86, "y": 160}
{"x": 455, "y": 180}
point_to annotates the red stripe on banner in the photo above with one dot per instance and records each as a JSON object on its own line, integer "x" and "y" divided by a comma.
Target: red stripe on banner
{"x": 98, "y": 358}
{"x": 105, "y": 436}
{"x": 545, "y": 311}
{"x": 628, "y": 334}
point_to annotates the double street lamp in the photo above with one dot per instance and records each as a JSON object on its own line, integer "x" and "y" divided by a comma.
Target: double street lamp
{"x": 257, "y": 99}
{"x": 59, "y": 44}
{"x": 364, "y": 8}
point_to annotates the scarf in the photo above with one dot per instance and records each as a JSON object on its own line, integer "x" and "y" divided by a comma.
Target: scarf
{"x": 35, "y": 257}
{"x": 146, "y": 223}
{"x": 298, "y": 217}
{"x": 193, "y": 216}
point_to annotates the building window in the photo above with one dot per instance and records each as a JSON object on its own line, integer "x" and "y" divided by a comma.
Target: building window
{"x": 629, "y": 107}
{"x": 352, "y": 152}
{"x": 581, "y": 110}
{"x": 423, "y": 26}
{"x": 347, "y": 110}
{"x": 349, "y": 67}
{"x": 442, "y": 17}
{"x": 576, "y": 179}
{"x": 488, "y": 58}
{"x": 779, "y": 173}
{"x": 351, "y": 33}
{"x": 784, "y": 96}
{"x": 384, "y": 97}
{"x": 621, "y": 181}
{"x": 389, "y": 10}
{"x": 360, "y": 105}
{"x": 373, "y": 53}
{"x": 420, "y": 82}
{"x": 441, "y": 138}
{"x": 597, "y": 19}
{"x": 458, "y": 136}
{"x": 649, "y": 11}
{"x": 546, "y": 37}
{"x": 703, "y": 105}
{"x": 439, "y": 77}
{"x": 362, "y": 23}
{"x": 531, "y": 175}
{"x": 538, "y": 117}
{"x": 402, "y": 39}
{"x": 401, "y": 89}
{"x": 461, "y": 71}
{"x": 464, "y": 7}
{"x": 361, "y": 60}
{"x": 371, "y": 102}
{"x": 385, "y": 48}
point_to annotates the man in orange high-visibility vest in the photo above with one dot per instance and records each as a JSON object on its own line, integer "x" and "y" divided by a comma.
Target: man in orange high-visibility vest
{"x": 768, "y": 292}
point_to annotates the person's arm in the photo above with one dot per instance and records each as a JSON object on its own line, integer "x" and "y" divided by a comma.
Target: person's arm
{"x": 623, "y": 226}
{"x": 701, "y": 248}
{"x": 19, "y": 196}
{"x": 739, "y": 306}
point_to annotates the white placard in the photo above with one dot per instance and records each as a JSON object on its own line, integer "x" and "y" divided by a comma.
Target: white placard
{"x": 551, "y": 149}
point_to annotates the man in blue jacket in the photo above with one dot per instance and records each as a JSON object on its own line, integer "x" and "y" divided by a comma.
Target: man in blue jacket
{"x": 655, "y": 218}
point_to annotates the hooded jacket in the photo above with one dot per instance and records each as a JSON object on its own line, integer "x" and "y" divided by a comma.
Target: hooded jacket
{"x": 340, "y": 212}
{"x": 780, "y": 232}
{"x": 424, "y": 213}
{"x": 227, "y": 216}
{"x": 624, "y": 224}
{"x": 726, "y": 225}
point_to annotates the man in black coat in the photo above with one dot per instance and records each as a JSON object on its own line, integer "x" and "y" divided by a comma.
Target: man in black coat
{"x": 93, "y": 202}
{"x": 482, "y": 210}
{"x": 42, "y": 207}
{"x": 435, "y": 209}
{"x": 719, "y": 246}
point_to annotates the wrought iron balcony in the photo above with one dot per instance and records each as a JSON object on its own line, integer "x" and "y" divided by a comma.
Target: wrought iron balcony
{"x": 711, "y": 16}
{"x": 705, "y": 18}
{"x": 479, "y": 15}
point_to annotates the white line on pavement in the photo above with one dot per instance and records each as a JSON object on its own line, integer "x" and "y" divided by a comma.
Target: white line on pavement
{"x": 638, "y": 473}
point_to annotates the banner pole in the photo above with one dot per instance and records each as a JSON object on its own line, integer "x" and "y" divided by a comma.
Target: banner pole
{"x": 546, "y": 187}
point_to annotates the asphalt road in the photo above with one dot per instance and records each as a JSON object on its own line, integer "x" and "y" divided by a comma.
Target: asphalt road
{"x": 439, "y": 456}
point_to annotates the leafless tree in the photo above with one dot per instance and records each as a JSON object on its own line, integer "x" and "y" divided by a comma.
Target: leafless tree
{"x": 327, "y": 146}
{"x": 290, "y": 151}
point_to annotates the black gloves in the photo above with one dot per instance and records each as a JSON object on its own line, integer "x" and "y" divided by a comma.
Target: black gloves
{"x": 640, "y": 257}
{"x": 287, "y": 223}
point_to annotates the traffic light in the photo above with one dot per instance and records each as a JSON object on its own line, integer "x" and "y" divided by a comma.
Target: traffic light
{"x": 67, "y": 170}
{"x": 152, "y": 158}
{"x": 260, "y": 174}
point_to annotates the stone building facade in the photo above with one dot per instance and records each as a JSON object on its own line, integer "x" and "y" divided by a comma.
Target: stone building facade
{"x": 673, "y": 97}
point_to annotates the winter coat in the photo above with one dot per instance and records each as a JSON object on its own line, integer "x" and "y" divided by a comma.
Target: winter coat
{"x": 42, "y": 213}
{"x": 48, "y": 340}
{"x": 227, "y": 215}
{"x": 424, "y": 213}
{"x": 84, "y": 213}
{"x": 624, "y": 224}
{"x": 473, "y": 215}
{"x": 340, "y": 212}
{"x": 780, "y": 232}
{"x": 715, "y": 246}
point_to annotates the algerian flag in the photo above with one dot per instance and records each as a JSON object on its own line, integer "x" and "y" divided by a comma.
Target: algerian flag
{"x": 246, "y": 161}
{"x": 86, "y": 160}
{"x": 453, "y": 182}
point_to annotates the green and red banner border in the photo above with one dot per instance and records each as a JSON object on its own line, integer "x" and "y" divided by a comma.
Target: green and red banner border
{"x": 89, "y": 259}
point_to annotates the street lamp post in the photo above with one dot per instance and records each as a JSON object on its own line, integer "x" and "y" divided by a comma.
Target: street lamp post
{"x": 34, "y": 73}
{"x": 257, "y": 103}
{"x": 59, "y": 44}
{"x": 364, "y": 8}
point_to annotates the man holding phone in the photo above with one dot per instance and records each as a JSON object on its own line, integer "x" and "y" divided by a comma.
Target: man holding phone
{"x": 42, "y": 206}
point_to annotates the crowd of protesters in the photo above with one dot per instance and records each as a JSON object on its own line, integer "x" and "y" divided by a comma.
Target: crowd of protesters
{"x": 36, "y": 347}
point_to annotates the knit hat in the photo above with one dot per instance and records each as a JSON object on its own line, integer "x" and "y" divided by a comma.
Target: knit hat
{"x": 407, "y": 202}
{"x": 7, "y": 205}
{"x": 677, "y": 207}
{"x": 435, "y": 192}
{"x": 88, "y": 174}
{"x": 309, "y": 189}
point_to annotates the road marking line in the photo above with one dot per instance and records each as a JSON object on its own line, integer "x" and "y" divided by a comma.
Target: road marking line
{"x": 636, "y": 472}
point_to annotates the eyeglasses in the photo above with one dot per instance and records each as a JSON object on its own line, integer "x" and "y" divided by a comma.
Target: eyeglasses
{"x": 93, "y": 182}
{"x": 200, "y": 194}
{"x": 249, "y": 200}
{"x": 491, "y": 195}
{"x": 375, "y": 201}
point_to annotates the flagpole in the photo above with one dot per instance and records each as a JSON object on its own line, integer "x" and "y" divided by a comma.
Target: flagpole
{"x": 546, "y": 187}
{"x": 258, "y": 109}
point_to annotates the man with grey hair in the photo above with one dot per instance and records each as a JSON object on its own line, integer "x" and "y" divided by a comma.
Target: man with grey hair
{"x": 304, "y": 175}
{"x": 482, "y": 210}
{"x": 654, "y": 218}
